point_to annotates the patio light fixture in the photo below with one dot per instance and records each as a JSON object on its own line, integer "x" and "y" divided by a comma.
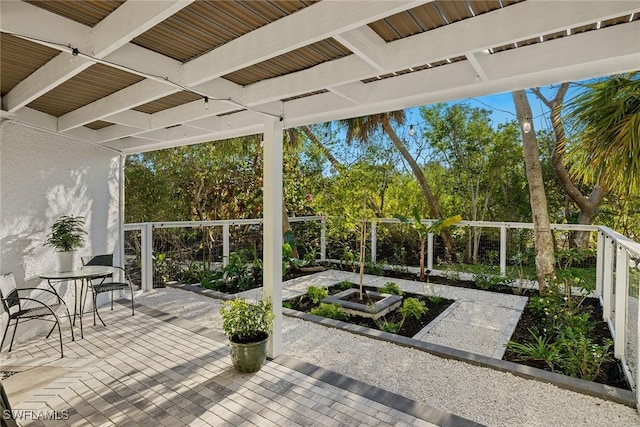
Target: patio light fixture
{"x": 411, "y": 131}
{"x": 526, "y": 125}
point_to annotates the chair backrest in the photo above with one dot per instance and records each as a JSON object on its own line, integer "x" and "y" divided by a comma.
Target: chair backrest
{"x": 104, "y": 259}
{"x": 9, "y": 293}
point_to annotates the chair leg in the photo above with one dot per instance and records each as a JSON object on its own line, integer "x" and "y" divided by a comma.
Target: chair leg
{"x": 73, "y": 338}
{"x": 111, "y": 300}
{"x": 15, "y": 328}
{"x": 131, "y": 290}
{"x": 50, "y": 331}
{"x": 60, "y": 336}
{"x": 4, "y": 335}
{"x": 95, "y": 305}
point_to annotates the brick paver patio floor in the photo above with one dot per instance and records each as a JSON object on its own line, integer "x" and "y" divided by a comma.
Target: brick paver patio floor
{"x": 154, "y": 369}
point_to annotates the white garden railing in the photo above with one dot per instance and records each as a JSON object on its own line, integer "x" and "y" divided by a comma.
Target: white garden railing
{"x": 617, "y": 266}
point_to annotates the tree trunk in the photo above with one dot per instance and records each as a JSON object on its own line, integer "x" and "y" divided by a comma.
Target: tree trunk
{"x": 434, "y": 209}
{"x": 315, "y": 141}
{"x": 545, "y": 259}
{"x": 588, "y": 205}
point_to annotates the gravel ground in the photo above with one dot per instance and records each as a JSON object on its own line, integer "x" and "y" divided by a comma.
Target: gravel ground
{"x": 481, "y": 394}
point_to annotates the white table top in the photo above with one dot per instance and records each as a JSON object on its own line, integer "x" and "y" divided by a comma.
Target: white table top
{"x": 87, "y": 272}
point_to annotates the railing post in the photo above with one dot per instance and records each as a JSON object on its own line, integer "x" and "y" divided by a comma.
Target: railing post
{"x": 225, "y": 244}
{"x": 503, "y": 250}
{"x": 323, "y": 239}
{"x": 607, "y": 282}
{"x": 430, "y": 251}
{"x": 147, "y": 257}
{"x": 622, "y": 292}
{"x": 374, "y": 246}
{"x": 600, "y": 264}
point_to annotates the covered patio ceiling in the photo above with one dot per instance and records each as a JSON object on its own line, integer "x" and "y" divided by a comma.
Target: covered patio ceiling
{"x": 134, "y": 75}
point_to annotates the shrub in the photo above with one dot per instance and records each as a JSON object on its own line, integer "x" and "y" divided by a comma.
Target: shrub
{"x": 390, "y": 288}
{"x": 411, "y": 307}
{"x": 332, "y": 311}
{"x": 316, "y": 294}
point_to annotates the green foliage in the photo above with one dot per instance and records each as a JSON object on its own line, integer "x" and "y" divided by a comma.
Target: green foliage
{"x": 567, "y": 258}
{"x": 317, "y": 294}
{"x": 562, "y": 339}
{"x": 344, "y": 285}
{"x": 541, "y": 348}
{"x": 487, "y": 281}
{"x": 67, "y": 234}
{"x": 245, "y": 322}
{"x": 436, "y": 299}
{"x": 332, "y": 311}
{"x": 384, "y": 325}
{"x": 412, "y": 307}
{"x": 390, "y": 288}
{"x": 373, "y": 268}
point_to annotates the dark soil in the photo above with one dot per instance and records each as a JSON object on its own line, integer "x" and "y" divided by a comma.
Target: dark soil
{"x": 612, "y": 374}
{"x": 410, "y": 327}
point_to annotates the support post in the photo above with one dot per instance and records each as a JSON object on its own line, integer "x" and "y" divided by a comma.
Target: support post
{"x": 323, "y": 239}
{"x": 374, "y": 245}
{"x": 503, "y": 250}
{"x": 607, "y": 282}
{"x": 272, "y": 247}
{"x": 622, "y": 292}
{"x": 147, "y": 257}
{"x": 225, "y": 244}
{"x": 600, "y": 264}
{"x": 430, "y": 251}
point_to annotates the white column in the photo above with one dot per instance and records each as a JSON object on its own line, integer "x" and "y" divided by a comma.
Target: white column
{"x": 374, "y": 242}
{"x": 225, "y": 244}
{"x": 622, "y": 293}
{"x": 120, "y": 249}
{"x": 147, "y": 257}
{"x": 323, "y": 239}
{"x": 503, "y": 250}
{"x": 272, "y": 247}
{"x": 600, "y": 264}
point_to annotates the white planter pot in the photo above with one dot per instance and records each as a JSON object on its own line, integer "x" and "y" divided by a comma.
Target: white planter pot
{"x": 66, "y": 261}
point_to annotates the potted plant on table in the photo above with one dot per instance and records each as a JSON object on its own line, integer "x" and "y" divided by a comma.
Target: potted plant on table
{"x": 248, "y": 327}
{"x": 67, "y": 235}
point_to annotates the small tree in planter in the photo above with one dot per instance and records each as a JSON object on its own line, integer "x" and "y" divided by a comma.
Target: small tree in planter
{"x": 66, "y": 236}
{"x": 248, "y": 327}
{"x": 424, "y": 230}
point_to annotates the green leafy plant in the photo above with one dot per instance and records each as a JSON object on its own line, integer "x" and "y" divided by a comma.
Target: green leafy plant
{"x": 244, "y": 322}
{"x": 488, "y": 281}
{"x": 424, "y": 230}
{"x": 332, "y": 311}
{"x": 582, "y": 358}
{"x": 390, "y": 288}
{"x": 386, "y": 326}
{"x": 436, "y": 299}
{"x": 317, "y": 294}
{"x": 412, "y": 307}
{"x": 541, "y": 348}
{"x": 67, "y": 234}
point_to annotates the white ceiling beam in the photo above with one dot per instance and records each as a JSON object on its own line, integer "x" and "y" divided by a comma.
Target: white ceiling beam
{"x": 126, "y": 22}
{"x": 131, "y": 118}
{"x": 129, "y": 97}
{"x": 480, "y": 72}
{"x": 367, "y": 45}
{"x": 452, "y": 40}
{"x": 521, "y": 21}
{"x": 355, "y": 92}
{"x": 309, "y": 25}
{"x": 579, "y": 57}
{"x": 110, "y": 133}
{"x": 286, "y": 34}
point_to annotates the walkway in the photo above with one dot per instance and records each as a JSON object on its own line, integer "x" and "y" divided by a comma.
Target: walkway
{"x": 158, "y": 370}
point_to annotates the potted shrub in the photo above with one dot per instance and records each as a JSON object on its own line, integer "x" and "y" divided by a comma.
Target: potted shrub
{"x": 248, "y": 327}
{"x": 66, "y": 236}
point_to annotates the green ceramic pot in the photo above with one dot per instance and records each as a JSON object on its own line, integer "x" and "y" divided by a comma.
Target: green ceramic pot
{"x": 250, "y": 357}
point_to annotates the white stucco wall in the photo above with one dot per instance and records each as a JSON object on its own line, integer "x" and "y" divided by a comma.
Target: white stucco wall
{"x": 42, "y": 177}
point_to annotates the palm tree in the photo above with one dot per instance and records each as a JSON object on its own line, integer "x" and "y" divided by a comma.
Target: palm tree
{"x": 545, "y": 258}
{"x": 362, "y": 128}
{"x": 608, "y": 148}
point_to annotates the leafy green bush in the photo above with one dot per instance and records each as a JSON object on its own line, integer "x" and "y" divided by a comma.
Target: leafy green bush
{"x": 332, "y": 311}
{"x": 436, "y": 299}
{"x": 386, "y": 326}
{"x": 541, "y": 348}
{"x": 316, "y": 294}
{"x": 411, "y": 307}
{"x": 390, "y": 288}
{"x": 488, "y": 281}
{"x": 244, "y": 322}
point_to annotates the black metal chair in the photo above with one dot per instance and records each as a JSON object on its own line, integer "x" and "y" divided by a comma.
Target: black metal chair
{"x": 106, "y": 283}
{"x": 13, "y": 304}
